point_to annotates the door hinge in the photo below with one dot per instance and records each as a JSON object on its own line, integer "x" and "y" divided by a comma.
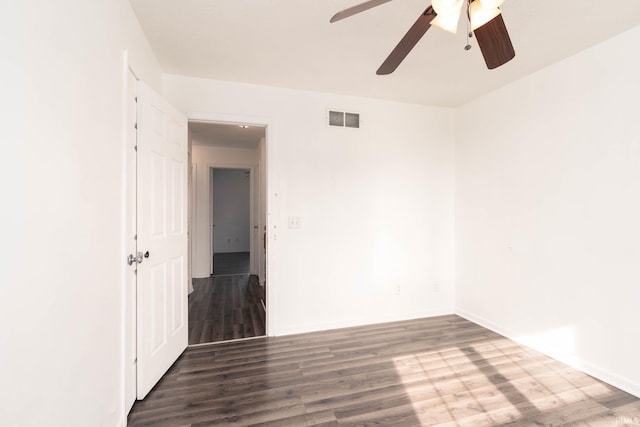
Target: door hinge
{"x": 135, "y": 126}
{"x": 135, "y": 237}
{"x": 135, "y": 98}
{"x": 135, "y": 147}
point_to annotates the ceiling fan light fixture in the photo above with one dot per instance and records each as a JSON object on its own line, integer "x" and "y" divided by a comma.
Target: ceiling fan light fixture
{"x": 489, "y": 29}
{"x": 447, "y": 22}
{"x": 447, "y": 14}
{"x": 481, "y": 15}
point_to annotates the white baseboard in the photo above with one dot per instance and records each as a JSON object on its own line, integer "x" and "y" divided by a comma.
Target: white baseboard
{"x": 569, "y": 359}
{"x": 325, "y": 326}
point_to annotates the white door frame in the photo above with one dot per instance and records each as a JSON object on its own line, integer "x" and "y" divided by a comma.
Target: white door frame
{"x": 234, "y": 119}
{"x": 129, "y": 230}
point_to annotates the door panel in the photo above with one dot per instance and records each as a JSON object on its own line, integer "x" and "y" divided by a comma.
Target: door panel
{"x": 162, "y": 234}
{"x": 179, "y": 314}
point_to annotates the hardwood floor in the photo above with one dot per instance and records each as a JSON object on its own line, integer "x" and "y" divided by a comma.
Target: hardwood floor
{"x": 231, "y": 263}
{"x": 443, "y": 371}
{"x": 224, "y": 308}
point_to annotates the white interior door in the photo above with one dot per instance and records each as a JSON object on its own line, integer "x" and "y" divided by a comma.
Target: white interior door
{"x": 262, "y": 221}
{"x": 162, "y": 277}
{"x": 254, "y": 203}
{"x": 193, "y": 173}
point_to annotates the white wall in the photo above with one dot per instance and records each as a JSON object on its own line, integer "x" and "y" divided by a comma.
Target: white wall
{"x": 231, "y": 210}
{"x": 547, "y": 209}
{"x": 61, "y": 223}
{"x": 204, "y": 158}
{"x": 376, "y": 204}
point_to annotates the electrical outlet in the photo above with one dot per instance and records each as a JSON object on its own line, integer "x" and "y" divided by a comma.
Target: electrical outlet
{"x": 295, "y": 222}
{"x": 398, "y": 289}
{"x": 436, "y": 287}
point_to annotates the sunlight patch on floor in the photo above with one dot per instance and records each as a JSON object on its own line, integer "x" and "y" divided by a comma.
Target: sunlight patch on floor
{"x": 443, "y": 387}
{"x": 493, "y": 382}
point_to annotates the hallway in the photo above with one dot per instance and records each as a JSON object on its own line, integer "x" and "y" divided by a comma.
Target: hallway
{"x": 224, "y": 308}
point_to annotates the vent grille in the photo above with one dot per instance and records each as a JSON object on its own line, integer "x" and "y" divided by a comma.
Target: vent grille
{"x": 336, "y": 118}
{"x": 343, "y": 119}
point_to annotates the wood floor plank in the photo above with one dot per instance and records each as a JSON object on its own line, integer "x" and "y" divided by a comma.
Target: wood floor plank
{"x": 224, "y": 308}
{"x": 225, "y": 263}
{"x": 442, "y": 371}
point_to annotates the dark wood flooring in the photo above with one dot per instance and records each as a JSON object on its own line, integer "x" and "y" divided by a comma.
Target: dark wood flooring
{"x": 225, "y": 308}
{"x": 231, "y": 263}
{"x": 443, "y": 371}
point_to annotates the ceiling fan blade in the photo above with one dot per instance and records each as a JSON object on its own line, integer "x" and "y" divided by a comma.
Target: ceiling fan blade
{"x": 407, "y": 43}
{"x": 357, "y": 9}
{"x": 495, "y": 43}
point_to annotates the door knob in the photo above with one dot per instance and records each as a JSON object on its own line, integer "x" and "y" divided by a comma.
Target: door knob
{"x": 137, "y": 259}
{"x": 146, "y": 254}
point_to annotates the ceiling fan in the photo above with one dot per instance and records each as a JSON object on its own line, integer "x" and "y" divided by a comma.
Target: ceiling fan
{"x": 484, "y": 19}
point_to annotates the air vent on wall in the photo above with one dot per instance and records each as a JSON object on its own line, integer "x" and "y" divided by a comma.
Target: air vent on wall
{"x": 343, "y": 119}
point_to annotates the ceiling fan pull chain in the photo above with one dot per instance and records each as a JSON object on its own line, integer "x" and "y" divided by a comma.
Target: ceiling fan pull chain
{"x": 469, "y": 33}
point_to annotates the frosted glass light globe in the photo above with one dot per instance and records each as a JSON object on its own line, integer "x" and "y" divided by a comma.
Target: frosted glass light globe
{"x": 491, "y": 4}
{"x": 481, "y": 15}
{"x": 446, "y": 7}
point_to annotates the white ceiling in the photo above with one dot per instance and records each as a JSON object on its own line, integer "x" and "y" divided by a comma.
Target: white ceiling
{"x": 226, "y": 135}
{"x": 290, "y": 43}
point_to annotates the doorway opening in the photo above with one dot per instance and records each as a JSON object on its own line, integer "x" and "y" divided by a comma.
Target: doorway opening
{"x": 227, "y": 239}
{"x": 231, "y": 221}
